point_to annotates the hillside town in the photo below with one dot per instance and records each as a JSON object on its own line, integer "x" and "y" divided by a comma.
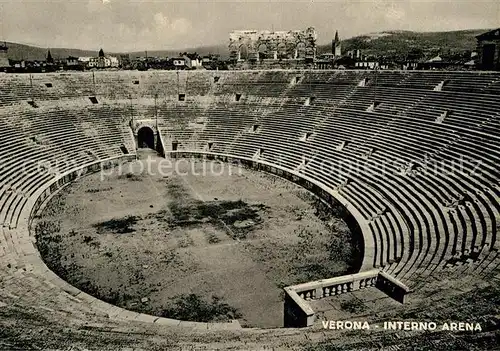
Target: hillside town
{"x": 103, "y": 61}
{"x": 251, "y": 53}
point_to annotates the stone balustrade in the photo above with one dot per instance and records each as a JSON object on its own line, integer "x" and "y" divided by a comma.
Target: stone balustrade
{"x": 298, "y": 313}
{"x": 335, "y": 286}
{"x": 392, "y": 287}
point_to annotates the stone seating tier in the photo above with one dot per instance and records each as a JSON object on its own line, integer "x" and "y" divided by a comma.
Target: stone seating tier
{"x": 420, "y": 222}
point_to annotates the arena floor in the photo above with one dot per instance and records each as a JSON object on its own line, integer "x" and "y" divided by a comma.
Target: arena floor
{"x": 190, "y": 240}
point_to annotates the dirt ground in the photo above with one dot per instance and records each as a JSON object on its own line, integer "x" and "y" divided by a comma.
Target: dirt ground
{"x": 198, "y": 241}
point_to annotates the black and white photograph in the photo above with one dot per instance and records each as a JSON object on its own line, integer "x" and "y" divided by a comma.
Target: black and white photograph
{"x": 250, "y": 175}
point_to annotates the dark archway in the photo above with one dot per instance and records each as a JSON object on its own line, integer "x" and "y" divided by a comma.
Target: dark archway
{"x": 244, "y": 51}
{"x": 263, "y": 51}
{"x": 300, "y": 51}
{"x": 489, "y": 56}
{"x": 282, "y": 51}
{"x": 146, "y": 138}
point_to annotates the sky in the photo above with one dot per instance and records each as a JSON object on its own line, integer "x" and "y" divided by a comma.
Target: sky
{"x": 136, "y": 25}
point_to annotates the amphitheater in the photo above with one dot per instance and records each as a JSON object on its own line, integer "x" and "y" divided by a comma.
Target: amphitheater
{"x": 422, "y": 227}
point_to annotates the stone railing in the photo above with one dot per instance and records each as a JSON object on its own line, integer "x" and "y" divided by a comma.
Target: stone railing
{"x": 335, "y": 286}
{"x": 392, "y": 287}
{"x": 298, "y": 313}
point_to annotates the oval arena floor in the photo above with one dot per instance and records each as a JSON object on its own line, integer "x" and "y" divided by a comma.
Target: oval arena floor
{"x": 413, "y": 157}
{"x": 195, "y": 229}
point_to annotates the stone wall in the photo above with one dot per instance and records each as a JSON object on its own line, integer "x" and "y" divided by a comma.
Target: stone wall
{"x": 4, "y": 61}
{"x": 282, "y": 45}
{"x": 486, "y": 42}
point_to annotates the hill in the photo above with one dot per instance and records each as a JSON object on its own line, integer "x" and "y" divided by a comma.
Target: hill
{"x": 27, "y": 52}
{"x": 404, "y": 42}
{"x": 379, "y": 44}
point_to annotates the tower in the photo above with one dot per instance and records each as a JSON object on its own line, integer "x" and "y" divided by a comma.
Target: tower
{"x": 336, "y": 46}
{"x": 49, "y": 59}
{"x": 101, "y": 60}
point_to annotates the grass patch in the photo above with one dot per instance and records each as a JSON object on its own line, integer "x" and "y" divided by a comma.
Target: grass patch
{"x": 193, "y": 308}
{"x": 341, "y": 246}
{"x": 131, "y": 177}
{"x": 213, "y": 238}
{"x": 184, "y": 212}
{"x": 313, "y": 271}
{"x": 56, "y": 205}
{"x": 170, "y": 257}
{"x": 176, "y": 191}
{"x": 118, "y": 226}
{"x": 49, "y": 244}
{"x": 97, "y": 190}
{"x": 185, "y": 242}
{"x": 219, "y": 213}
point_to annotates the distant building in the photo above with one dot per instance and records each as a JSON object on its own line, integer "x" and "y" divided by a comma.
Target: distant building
{"x": 210, "y": 58}
{"x": 113, "y": 61}
{"x": 488, "y": 48}
{"x": 18, "y": 64}
{"x": 337, "y": 46}
{"x": 107, "y": 62}
{"x": 72, "y": 62}
{"x": 179, "y": 62}
{"x": 324, "y": 61}
{"x": 470, "y": 64}
{"x": 93, "y": 62}
{"x": 354, "y": 54}
{"x": 409, "y": 65}
{"x": 4, "y": 61}
{"x": 104, "y": 61}
{"x": 84, "y": 61}
{"x": 436, "y": 62}
{"x": 326, "y": 56}
{"x": 101, "y": 59}
{"x": 370, "y": 64}
{"x": 435, "y": 59}
{"x": 192, "y": 60}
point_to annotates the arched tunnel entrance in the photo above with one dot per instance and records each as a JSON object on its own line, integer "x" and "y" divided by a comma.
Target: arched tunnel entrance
{"x": 146, "y": 138}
